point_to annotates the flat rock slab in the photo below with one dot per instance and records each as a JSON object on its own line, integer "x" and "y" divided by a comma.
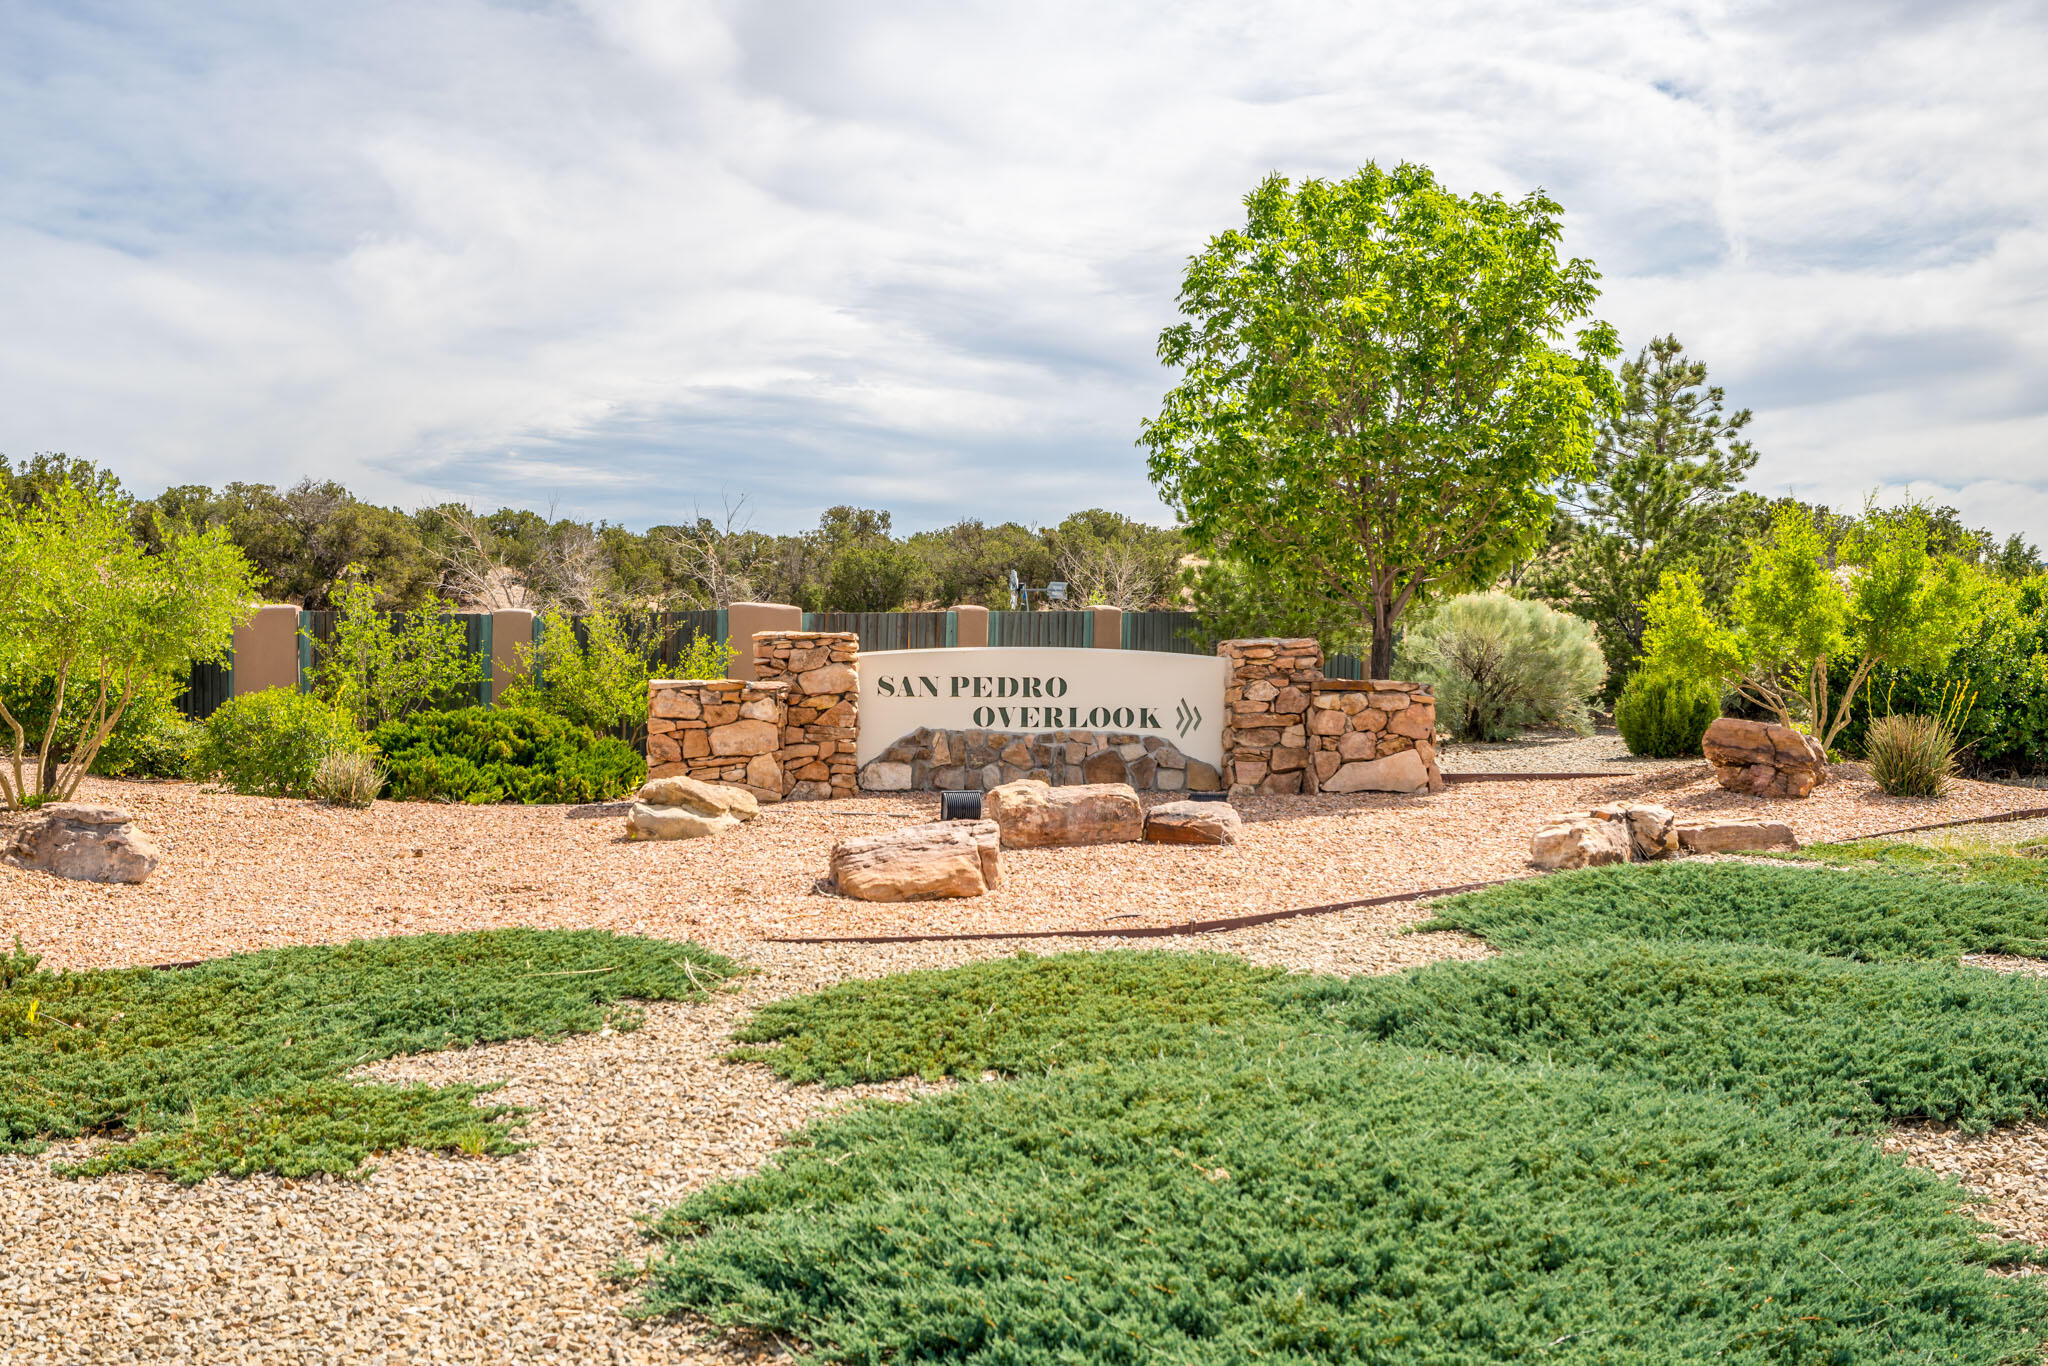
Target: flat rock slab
{"x": 1764, "y": 759}
{"x": 1036, "y": 815}
{"x": 1734, "y": 837}
{"x": 86, "y": 843}
{"x": 1402, "y": 772}
{"x": 1193, "y": 823}
{"x": 920, "y": 862}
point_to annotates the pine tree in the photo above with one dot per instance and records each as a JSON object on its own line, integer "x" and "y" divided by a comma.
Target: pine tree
{"x": 1665, "y": 463}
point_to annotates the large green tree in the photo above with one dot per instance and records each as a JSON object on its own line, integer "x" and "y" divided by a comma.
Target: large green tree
{"x": 1657, "y": 499}
{"x": 1375, "y": 399}
{"x": 93, "y": 618}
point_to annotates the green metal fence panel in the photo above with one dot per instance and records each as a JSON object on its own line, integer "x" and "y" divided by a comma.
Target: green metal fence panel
{"x": 1344, "y": 666}
{"x": 1170, "y": 632}
{"x": 888, "y": 630}
{"x": 1071, "y": 629}
{"x": 208, "y": 686}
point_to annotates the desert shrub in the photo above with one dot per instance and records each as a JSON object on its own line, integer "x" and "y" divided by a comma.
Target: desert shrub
{"x": 503, "y": 754}
{"x": 149, "y": 739}
{"x": 1501, "y": 664}
{"x": 598, "y": 676}
{"x": 347, "y": 778}
{"x": 241, "y": 1064}
{"x": 1665, "y": 718}
{"x": 381, "y": 666}
{"x": 1911, "y": 756}
{"x": 270, "y": 743}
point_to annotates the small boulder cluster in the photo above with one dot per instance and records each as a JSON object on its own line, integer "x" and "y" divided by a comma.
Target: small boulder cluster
{"x": 1640, "y": 832}
{"x": 964, "y": 858}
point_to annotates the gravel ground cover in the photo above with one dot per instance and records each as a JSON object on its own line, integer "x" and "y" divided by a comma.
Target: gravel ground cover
{"x": 1551, "y": 751}
{"x": 436, "y": 1258}
{"x": 245, "y": 872}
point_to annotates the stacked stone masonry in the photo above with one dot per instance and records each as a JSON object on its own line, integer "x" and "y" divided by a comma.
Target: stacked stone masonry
{"x": 979, "y": 760}
{"x": 822, "y": 722}
{"x": 718, "y": 731}
{"x": 1266, "y": 698}
{"x": 1358, "y": 730}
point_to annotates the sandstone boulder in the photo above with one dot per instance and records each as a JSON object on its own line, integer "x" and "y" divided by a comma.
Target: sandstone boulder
{"x": 885, "y": 776}
{"x": 1403, "y": 772}
{"x": 1034, "y": 815}
{"x": 644, "y": 822}
{"x": 709, "y": 799}
{"x": 1764, "y": 759}
{"x": 1580, "y": 840}
{"x": 1626, "y": 832}
{"x": 1193, "y": 823}
{"x": 1733, "y": 837}
{"x": 920, "y": 862}
{"x": 86, "y": 843}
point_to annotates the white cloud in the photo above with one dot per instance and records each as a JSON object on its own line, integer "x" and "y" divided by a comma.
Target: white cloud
{"x": 625, "y": 256}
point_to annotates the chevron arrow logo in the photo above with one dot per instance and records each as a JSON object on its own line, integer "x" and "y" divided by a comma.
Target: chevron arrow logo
{"x": 1189, "y": 717}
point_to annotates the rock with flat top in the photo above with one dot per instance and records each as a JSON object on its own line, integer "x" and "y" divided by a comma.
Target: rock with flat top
{"x": 1193, "y": 823}
{"x": 86, "y": 843}
{"x": 707, "y": 799}
{"x": 1403, "y": 772}
{"x": 1036, "y": 815}
{"x": 1764, "y": 759}
{"x": 920, "y": 862}
{"x": 1734, "y": 837}
{"x": 1580, "y": 840}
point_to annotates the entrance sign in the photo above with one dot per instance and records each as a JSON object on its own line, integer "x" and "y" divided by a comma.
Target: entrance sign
{"x": 1133, "y": 692}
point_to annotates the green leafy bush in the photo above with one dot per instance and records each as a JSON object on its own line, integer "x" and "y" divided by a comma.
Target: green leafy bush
{"x": 382, "y": 666}
{"x": 597, "y": 676}
{"x": 1665, "y": 718}
{"x": 1502, "y": 664}
{"x": 503, "y": 754}
{"x": 240, "y": 1064}
{"x": 149, "y": 739}
{"x": 270, "y": 743}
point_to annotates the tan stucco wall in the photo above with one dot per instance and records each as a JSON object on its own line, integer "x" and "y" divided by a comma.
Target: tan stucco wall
{"x": 744, "y": 619}
{"x": 511, "y": 632}
{"x": 973, "y": 627}
{"x": 267, "y": 650}
{"x": 1109, "y": 627}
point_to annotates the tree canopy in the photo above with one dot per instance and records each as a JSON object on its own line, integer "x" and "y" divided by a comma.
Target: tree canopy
{"x": 1375, "y": 402}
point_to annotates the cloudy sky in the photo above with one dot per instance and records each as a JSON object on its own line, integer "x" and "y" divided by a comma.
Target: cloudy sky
{"x": 634, "y": 258}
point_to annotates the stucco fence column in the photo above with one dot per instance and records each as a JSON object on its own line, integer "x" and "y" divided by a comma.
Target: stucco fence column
{"x": 1106, "y": 628}
{"x": 511, "y": 645}
{"x": 745, "y": 620}
{"x": 821, "y": 726}
{"x": 972, "y": 632}
{"x": 266, "y": 650}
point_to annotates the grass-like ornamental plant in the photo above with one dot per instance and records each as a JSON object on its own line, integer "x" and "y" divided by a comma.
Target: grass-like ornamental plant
{"x": 1665, "y": 718}
{"x": 240, "y": 1065}
{"x": 1911, "y": 756}
{"x": 503, "y": 754}
{"x": 272, "y": 743}
{"x": 348, "y": 778}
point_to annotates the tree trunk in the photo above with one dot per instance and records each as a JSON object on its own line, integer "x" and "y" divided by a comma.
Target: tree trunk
{"x": 1382, "y": 662}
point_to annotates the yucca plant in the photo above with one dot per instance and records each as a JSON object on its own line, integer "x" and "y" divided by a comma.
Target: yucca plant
{"x": 1915, "y": 756}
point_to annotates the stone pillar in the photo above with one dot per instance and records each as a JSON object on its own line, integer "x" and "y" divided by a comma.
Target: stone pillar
{"x": 822, "y": 720}
{"x": 1265, "y": 707}
{"x": 511, "y": 641}
{"x": 717, "y": 730}
{"x": 745, "y": 620}
{"x": 267, "y": 650}
{"x": 1375, "y": 736}
{"x": 973, "y": 627}
{"x": 1108, "y": 625}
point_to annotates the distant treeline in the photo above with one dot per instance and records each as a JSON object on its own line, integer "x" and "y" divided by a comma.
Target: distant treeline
{"x": 301, "y": 540}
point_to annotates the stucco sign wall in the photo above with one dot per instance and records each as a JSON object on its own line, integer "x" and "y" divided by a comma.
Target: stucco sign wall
{"x": 1140, "y": 692}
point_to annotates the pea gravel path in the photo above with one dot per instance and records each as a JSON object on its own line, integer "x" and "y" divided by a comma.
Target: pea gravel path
{"x": 438, "y": 1259}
